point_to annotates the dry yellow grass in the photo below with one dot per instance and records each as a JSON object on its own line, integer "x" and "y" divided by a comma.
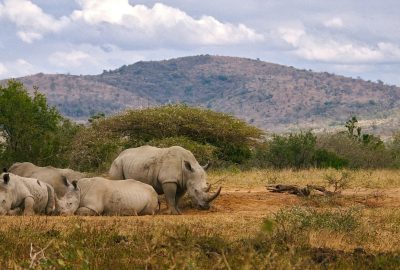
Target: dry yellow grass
{"x": 382, "y": 178}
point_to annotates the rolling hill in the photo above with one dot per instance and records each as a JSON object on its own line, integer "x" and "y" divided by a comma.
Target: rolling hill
{"x": 274, "y": 97}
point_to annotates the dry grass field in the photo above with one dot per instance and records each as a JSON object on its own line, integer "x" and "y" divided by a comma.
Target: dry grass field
{"x": 247, "y": 228}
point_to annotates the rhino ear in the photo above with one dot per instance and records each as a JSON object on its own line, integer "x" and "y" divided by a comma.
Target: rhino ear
{"x": 6, "y": 178}
{"x": 207, "y": 166}
{"x": 65, "y": 180}
{"x": 75, "y": 184}
{"x": 188, "y": 166}
{"x": 4, "y": 169}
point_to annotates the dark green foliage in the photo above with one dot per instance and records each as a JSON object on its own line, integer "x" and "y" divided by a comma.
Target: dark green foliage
{"x": 33, "y": 131}
{"x": 326, "y": 159}
{"x": 294, "y": 150}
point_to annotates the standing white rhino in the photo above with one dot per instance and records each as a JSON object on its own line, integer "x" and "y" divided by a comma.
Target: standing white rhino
{"x": 26, "y": 195}
{"x": 171, "y": 171}
{"x": 100, "y": 196}
{"x": 59, "y": 179}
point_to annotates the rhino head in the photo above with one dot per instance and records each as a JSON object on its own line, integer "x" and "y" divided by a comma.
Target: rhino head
{"x": 69, "y": 203}
{"x": 197, "y": 186}
{"x": 5, "y": 198}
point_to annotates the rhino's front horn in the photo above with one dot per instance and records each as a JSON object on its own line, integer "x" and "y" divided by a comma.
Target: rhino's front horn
{"x": 211, "y": 197}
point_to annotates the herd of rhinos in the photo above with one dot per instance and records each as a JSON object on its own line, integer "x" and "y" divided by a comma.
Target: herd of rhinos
{"x": 146, "y": 171}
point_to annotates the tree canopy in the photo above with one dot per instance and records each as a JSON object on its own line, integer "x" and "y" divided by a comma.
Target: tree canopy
{"x": 31, "y": 129}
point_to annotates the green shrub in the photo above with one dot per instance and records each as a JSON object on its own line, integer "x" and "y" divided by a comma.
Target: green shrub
{"x": 32, "y": 130}
{"x": 326, "y": 159}
{"x": 91, "y": 151}
{"x": 210, "y": 135}
{"x": 357, "y": 153}
{"x": 204, "y": 152}
{"x": 294, "y": 150}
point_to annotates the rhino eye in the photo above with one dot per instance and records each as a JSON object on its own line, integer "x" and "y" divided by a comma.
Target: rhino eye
{"x": 3, "y": 202}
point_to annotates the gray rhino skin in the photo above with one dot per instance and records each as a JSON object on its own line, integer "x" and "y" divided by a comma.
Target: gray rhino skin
{"x": 26, "y": 195}
{"x": 171, "y": 171}
{"x": 100, "y": 196}
{"x": 59, "y": 179}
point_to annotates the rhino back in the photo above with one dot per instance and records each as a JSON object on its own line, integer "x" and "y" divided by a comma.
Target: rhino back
{"x": 142, "y": 164}
{"x": 24, "y": 169}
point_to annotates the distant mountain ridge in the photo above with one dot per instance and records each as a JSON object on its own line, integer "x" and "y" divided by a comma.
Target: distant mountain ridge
{"x": 273, "y": 97}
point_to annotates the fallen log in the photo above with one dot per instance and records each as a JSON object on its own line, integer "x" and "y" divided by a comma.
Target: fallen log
{"x": 299, "y": 191}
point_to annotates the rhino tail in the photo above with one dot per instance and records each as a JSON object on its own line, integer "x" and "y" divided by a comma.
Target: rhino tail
{"x": 51, "y": 200}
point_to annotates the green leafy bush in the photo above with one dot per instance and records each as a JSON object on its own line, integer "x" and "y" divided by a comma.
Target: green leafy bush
{"x": 210, "y": 135}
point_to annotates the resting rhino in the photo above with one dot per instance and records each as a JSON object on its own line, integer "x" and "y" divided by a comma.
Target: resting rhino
{"x": 26, "y": 195}
{"x": 171, "y": 171}
{"x": 100, "y": 196}
{"x": 59, "y": 179}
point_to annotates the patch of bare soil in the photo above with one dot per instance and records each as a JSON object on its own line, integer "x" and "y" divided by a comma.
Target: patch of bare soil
{"x": 259, "y": 200}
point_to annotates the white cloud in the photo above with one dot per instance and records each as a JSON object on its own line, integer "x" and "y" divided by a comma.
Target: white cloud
{"x": 30, "y": 19}
{"x": 291, "y": 35}
{"x": 163, "y": 22}
{"x": 334, "y": 51}
{"x": 334, "y": 23}
{"x": 72, "y": 58}
{"x": 29, "y": 37}
{"x": 16, "y": 68}
{"x": 325, "y": 48}
{"x": 3, "y": 69}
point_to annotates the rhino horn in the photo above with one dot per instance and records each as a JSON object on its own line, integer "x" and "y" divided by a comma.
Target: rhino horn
{"x": 6, "y": 178}
{"x": 205, "y": 167}
{"x": 207, "y": 189}
{"x": 211, "y": 197}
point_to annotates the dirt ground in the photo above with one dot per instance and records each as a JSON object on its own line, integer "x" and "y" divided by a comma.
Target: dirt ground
{"x": 260, "y": 201}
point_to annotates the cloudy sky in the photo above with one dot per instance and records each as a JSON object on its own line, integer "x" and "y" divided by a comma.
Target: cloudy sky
{"x": 347, "y": 37}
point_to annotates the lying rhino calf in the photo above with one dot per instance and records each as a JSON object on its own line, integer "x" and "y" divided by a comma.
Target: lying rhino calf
{"x": 100, "y": 196}
{"x": 28, "y": 195}
{"x": 59, "y": 179}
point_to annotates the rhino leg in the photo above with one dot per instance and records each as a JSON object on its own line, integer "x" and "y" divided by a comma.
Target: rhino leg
{"x": 15, "y": 211}
{"x": 170, "y": 195}
{"x": 28, "y": 206}
{"x": 84, "y": 211}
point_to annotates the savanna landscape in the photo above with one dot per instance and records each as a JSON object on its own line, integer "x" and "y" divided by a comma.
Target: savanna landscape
{"x": 142, "y": 134}
{"x": 355, "y": 224}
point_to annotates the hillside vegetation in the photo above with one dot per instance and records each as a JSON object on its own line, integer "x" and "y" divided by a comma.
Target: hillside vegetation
{"x": 272, "y": 97}
{"x": 34, "y": 131}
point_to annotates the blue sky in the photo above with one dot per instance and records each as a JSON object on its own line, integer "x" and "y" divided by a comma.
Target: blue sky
{"x": 352, "y": 38}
